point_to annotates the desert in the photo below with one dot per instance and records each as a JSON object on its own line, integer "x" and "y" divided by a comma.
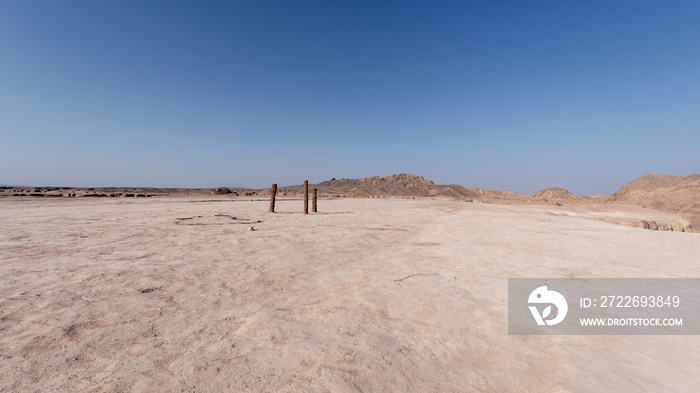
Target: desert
{"x": 175, "y": 293}
{"x": 349, "y": 196}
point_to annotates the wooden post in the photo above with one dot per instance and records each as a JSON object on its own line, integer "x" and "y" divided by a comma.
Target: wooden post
{"x": 273, "y": 193}
{"x": 313, "y": 201}
{"x": 306, "y": 197}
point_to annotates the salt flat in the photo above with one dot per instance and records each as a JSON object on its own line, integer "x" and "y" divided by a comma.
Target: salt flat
{"x": 370, "y": 295}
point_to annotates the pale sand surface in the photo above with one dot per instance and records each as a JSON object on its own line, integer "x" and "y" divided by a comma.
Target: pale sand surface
{"x": 117, "y": 295}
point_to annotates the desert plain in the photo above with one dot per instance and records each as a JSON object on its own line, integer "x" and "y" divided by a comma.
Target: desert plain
{"x": 367, "y": 295}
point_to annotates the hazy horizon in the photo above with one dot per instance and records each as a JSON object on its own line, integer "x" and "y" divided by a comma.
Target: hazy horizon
{"x": 510, "y": 96}
{"x": 240, "y": 187}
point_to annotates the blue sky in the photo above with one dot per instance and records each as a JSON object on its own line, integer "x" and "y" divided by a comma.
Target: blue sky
{"x": 514, "y": 96}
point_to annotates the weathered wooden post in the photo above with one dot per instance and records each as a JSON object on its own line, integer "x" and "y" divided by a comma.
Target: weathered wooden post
{"x": 313, "y": 201}
{"x": 306, "y": 197}
{"x": 273, "y": 193}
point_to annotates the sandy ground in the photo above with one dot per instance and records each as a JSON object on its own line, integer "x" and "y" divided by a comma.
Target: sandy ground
{"x": 623, "y": 214}
{"x": 120, "y": 295}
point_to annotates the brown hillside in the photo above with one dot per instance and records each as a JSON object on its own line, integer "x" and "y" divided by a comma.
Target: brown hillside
{"x": 401, "y": 185}
{"x": 408, "y": 185}
{"x": 400, "y": 180}
{"x": 678, "y": 194}
{"x": 557, "y": 194}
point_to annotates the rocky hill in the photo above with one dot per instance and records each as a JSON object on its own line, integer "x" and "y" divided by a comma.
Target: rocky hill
{"x": 401, "y": 180}
{"x": 401, "y": 185}
{"x": 555, "y": 193}
{"x": 412, "y": 186}
{"x": 677, "y": 194}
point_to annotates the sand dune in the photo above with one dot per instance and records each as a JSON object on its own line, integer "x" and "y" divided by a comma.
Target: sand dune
{"x": 175, "y": 294}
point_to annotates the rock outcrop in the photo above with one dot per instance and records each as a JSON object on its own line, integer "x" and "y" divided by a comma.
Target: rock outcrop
{"x": 221, "y": 191}
{"x": 666, "y": 226}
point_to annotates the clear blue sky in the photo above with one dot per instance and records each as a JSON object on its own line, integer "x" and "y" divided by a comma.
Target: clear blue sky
{"x": 514, "y": 96}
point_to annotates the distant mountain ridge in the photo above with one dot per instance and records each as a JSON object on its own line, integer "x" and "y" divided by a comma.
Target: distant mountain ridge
{"x": 673, "y": 194}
